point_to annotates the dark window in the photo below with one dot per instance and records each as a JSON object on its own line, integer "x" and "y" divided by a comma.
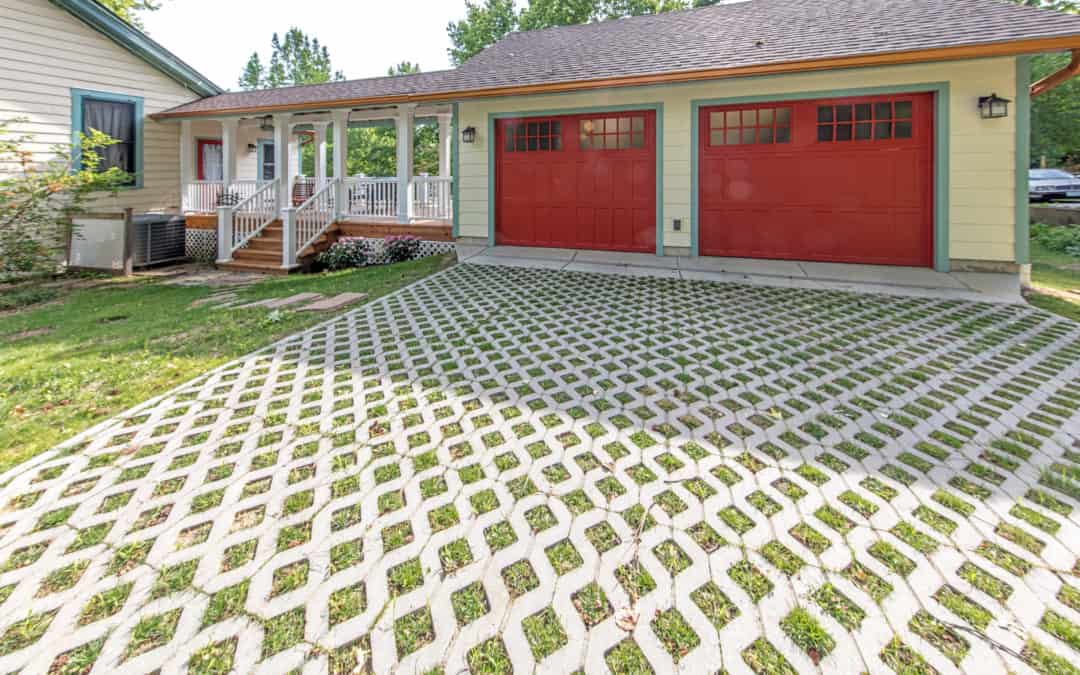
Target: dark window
{"x": 267, "y": 168}
{"x": 882, "y": 121}
{"x": 612, "y": 133}
{"x": 115, "y": 119}
{"x": 757, "y": 126}
{"x": 533, "y": 136}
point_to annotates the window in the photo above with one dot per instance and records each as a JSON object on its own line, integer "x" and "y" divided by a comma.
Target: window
{"x": 117, "y": 116}
{"x": 612, "y": 133}
{"x": 750, "y": 127}
{"x": 266, "y": 160}
{"x": 533, "y": 136}
{"x": 879, "y": 120}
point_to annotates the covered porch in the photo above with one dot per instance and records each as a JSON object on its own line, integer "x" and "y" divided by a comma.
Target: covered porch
{"x": 244, "y": 177}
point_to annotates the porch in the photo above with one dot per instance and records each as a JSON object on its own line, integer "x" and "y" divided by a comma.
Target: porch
{"x": 244, "y": 177}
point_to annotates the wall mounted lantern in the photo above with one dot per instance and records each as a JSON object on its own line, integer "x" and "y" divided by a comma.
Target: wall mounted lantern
{"x": 993, "y": 106}
{"x": 468, "y": 135}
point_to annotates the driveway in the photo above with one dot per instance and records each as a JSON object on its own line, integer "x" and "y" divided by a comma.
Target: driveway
{"x": 546, "y": 470}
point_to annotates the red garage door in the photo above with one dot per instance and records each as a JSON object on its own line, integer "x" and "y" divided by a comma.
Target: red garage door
{"x": 577, "y": 181}
{"x": 843, "y": 180}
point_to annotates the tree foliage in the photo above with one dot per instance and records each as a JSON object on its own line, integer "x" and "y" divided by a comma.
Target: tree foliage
{"x": 1055, "y": 116}
{"x": 403, "y": 68}
{"x": 298, "y": 59}
{"x": 487, "y": 22}
{"x": 127, "y": 9}
{"x": 38, "y": 200}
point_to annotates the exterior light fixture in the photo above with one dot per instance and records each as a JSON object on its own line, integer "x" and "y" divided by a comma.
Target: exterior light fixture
{"x": 468, "y": 135}
{"x": 993, "y": 106}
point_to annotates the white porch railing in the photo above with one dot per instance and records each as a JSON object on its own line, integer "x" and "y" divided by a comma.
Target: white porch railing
{"x": 238, "y": 224}
{"x": 205, "y": 196}
{"x": 371, "y": 197}
{"x": 201, "y": 196}
{"x": 431, "y": 197}
{"x": 304, "y": 224}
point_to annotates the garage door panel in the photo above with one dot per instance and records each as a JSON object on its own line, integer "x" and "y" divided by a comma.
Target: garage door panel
{"x": 832, "y": 186}
{"x": 592, "y": 188}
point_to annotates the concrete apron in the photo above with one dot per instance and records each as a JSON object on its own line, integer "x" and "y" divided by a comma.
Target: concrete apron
{"x": 906, "y": 281}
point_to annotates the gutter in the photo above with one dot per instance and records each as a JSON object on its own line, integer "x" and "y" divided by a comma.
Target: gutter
{"x": 1060, "y": 77}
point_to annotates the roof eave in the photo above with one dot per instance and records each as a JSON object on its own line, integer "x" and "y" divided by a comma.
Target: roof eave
{"x": 138, "y": 43}
{"x": 1010, "y": 48}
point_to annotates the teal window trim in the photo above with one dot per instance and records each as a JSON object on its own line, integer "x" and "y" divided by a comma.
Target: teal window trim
{"x": 1023, "y": 159}
{"x": 656, "y": 107}
{"x": 77, "y": 96}
{"x": 941, "y": 149}
{"x": 455, "y": 160}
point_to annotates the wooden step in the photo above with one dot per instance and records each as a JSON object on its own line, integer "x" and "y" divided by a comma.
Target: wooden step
{"x": 268, "y": 256}
{"x": 247, "y": 266}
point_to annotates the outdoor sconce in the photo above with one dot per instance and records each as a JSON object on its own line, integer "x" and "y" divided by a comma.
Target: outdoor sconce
{"x": 251, "y": 147}
{"x": 993, "y": 106}
{"x": 468, "y": 135}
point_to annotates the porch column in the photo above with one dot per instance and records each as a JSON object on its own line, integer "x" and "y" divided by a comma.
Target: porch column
{"x": 282, "y": 170}
{"x": 294, "y": 154}
{"x": 444, "y": 146}
{"x": 341, "y": 157}
{"x": 320, "y": 154}
{"x": 406, "y": 120}
{"x": 229, "y": 128}
{"x": 187, "y": 164}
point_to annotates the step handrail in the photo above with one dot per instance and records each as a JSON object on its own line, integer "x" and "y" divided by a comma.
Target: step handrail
{"x": 252, "y": 215}
{"x": 311, "y": 219}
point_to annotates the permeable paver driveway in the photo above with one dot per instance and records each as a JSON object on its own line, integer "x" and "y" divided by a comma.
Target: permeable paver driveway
{"x": 545, "y": 471}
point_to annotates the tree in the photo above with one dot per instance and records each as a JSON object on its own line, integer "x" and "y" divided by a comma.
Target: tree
{"x": 126, "y": 9}
{"x": 403, "y": 68}
{"x": 38, "y": 202}
{"x": 1071, "y": 6}
{"x": 483, "y": 25}
{"x": 486, "y": 24}
{"x": 298, "y": 59}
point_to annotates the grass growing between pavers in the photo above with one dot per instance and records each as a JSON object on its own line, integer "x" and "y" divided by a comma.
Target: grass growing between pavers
{"x": 70, "y": 364}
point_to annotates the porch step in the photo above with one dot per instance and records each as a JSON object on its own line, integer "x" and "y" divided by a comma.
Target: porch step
{"x": 253, "y": 254}
{"x": 378, "y": 230}
{"x": 249, "y": 266}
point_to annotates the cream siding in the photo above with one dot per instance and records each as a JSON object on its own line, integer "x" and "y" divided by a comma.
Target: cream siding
{"x": 46, "y": 52}
{"x": 981, "y": 152}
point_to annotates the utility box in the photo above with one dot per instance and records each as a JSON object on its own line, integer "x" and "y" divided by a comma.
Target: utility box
{"x": 101, "y": 241}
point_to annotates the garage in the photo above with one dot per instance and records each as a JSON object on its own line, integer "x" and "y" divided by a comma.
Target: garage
{"x": 577, "y": 181}
{"x": 836, "y": 180}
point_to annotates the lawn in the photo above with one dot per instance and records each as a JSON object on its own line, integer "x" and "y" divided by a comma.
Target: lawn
{"x": 68, "y": 364}
{"x": 1055, "y": 280}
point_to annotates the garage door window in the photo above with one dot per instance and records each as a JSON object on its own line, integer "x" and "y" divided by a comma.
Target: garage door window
{"x": 612, "y": 133}
{"x": 879, "y": 121}
{"x": 750, "y": 127}
{"x": 534, "y": 136}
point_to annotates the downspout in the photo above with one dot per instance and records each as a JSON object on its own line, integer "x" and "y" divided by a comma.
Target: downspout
{"x": 1060, "y": 77}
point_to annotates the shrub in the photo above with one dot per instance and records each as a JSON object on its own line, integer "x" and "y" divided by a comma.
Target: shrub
{"x": 343, "y": 255}
{"x": 401, "y": 247}
{"x": 1057, "y": 238}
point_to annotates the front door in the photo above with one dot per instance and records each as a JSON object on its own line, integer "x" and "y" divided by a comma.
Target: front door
{"x": 211, "y": 166}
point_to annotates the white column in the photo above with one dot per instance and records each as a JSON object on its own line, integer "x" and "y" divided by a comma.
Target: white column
{"x": 294, "y": 153}
{"x": 282, "y": 170}
{"x": 320, "y": 154}
{"x": 229, "y": 127}
{"x": 341, "y": 157}
{"x": 405, "y": 125}
{"x": 187, "y": 163}
{"x": 444, "y": 146}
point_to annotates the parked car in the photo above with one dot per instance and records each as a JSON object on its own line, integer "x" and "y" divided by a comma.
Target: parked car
{"x": 1047, "y": 184}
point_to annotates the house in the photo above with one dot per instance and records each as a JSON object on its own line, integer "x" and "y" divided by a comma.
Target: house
{"x": 851, "y": 131}
{"x": 69, "y": 65}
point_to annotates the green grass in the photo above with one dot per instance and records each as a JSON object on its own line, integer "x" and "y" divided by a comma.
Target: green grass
{"x": 1055, "y": 272}
{"x": 544, "y": 633}
{"x": 805, "y": 631}
{"x": 678, "y": 638}
{"x": 109, "y": 348}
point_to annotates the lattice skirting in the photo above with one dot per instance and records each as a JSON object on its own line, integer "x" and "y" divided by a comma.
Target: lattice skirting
{"x": 200, "y": 244}
{"x": 376, "y": 255}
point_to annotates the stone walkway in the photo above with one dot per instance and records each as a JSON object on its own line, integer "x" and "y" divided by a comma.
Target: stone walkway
{"x": 552, "y": 471}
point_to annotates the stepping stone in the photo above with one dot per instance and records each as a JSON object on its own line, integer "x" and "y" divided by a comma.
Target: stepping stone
{"x": 277, "y": 303}
{"x": 336, "y": 302}
{"x": 292, "y": 300}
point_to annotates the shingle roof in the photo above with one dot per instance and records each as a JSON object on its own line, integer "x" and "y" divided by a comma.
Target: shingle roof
{"x": 721, "y": 37}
